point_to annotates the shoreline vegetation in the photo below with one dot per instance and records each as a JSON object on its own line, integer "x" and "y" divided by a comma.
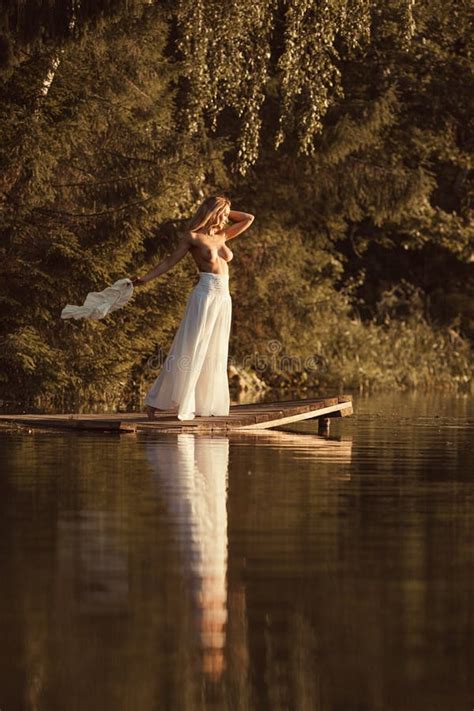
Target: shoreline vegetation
{"x": 346, "y": 134}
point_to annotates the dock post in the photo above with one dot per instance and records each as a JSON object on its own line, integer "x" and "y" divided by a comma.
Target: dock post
{"x": 323, "y": 425}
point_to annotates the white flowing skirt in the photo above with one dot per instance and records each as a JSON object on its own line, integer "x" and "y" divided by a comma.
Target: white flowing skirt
{"x": 193, "y": 379}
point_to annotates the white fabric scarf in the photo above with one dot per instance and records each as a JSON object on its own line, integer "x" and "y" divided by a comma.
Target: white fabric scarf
{"x": 100, "y": 303}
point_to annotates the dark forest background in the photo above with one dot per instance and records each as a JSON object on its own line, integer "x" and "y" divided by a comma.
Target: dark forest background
{"x": 344, "y": 126}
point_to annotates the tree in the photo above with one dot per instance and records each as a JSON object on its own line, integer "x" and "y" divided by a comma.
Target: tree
{"x": 343, "y": 126}
{"x": 99, "y": 170}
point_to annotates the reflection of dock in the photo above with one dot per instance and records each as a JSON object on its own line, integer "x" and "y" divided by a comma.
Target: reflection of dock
{"x": 241, "y": 417}
{"x": 302, "y": 445}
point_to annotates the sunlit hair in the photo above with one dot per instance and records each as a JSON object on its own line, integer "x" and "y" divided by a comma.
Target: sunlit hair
{"x": 210, "y": 214}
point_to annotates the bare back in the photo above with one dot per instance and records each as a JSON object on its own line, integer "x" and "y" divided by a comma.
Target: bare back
{"x": 210, "y": 252}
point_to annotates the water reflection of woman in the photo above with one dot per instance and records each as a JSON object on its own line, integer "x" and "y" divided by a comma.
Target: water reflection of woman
{"x": 193, "y": 474}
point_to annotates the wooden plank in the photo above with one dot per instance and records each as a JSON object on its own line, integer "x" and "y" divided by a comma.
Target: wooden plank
{"x": 311, "y": 414}
{"x": 283, "y": 404}
{"x": 253, "y": 418}
{"x": 271, "y": 418}
{"x": 70, "y": 423}
{"x": 241, "y": 417}
{"x": 345, "y": 412}
{"x": 342, "y": 398}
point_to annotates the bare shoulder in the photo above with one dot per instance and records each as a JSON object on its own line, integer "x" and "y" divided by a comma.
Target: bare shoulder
{"x": 195, "y": 238}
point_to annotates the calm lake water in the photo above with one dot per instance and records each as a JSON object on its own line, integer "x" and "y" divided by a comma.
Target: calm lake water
{"x": 275, "y": 570}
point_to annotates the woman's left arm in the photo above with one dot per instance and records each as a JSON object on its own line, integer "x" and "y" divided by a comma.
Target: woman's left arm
{"x": 242, "y": 221}
{"x": 167, "y": 263}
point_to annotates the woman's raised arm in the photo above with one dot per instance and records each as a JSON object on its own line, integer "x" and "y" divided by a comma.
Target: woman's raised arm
{"x": 242, "y": 221}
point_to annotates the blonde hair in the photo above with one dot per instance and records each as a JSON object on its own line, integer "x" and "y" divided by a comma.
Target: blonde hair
{"x": 210, "y": 214}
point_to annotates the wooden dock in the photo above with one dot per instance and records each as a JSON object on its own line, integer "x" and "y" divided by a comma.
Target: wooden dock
{"x": 251, "y": 417}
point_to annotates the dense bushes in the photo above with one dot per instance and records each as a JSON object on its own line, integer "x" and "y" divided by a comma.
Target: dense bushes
{"x": 357, "y": 269}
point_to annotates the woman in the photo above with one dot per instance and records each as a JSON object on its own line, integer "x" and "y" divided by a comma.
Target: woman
{"x": 193, "y": 380}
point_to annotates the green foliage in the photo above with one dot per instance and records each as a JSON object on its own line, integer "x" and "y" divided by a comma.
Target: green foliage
{"x": 229, "y": 55}
{"x": 93, "y": 173}
{"x": 27, "y": 25}
{"x": 400, "y": 353}
{"x": 313, "y": 336}
{"x": 345, "y": 127}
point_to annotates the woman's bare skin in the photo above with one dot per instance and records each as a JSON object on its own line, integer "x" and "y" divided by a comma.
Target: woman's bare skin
{"x": 209, "y": 251}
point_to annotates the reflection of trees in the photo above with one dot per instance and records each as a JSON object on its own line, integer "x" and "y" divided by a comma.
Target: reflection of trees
{"x": 338, "y": 573}
{"x": 117, "y": 580}
{"x": 70, "y": 582}
{"x": 283, "y": 486}
{"x": 92, "y": 565}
